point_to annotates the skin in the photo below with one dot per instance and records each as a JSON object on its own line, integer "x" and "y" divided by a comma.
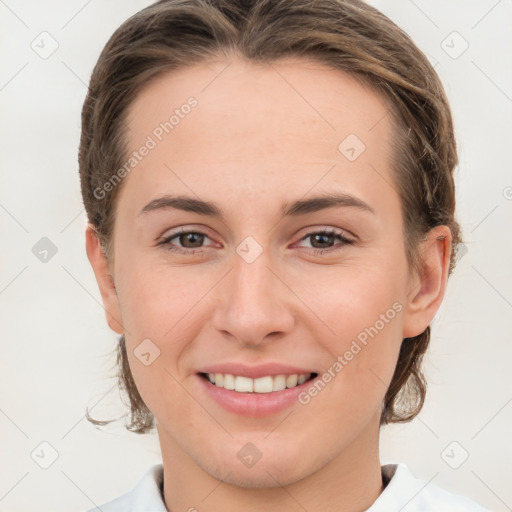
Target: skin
{"x": 263, "y": 135}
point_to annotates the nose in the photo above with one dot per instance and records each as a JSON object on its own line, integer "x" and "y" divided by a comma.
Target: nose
{"x": 254, "y": 305}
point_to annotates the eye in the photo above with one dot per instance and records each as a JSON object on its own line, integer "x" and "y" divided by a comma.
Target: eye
{"x": 191, "y": 242}
{"x": 322, "y": 240}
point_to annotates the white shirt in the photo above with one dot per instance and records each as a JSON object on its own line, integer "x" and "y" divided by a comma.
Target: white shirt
{"x": 403, "y": 493}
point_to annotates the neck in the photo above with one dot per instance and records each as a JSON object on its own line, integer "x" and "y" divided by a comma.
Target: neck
{"x": 351, "y": 481}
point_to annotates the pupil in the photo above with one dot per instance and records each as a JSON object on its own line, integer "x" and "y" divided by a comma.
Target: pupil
{"x": 190, "y": 237}
{"x": 324, "y": 236}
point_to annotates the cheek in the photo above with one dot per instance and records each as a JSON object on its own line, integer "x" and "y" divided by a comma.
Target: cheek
{"x": 161, "y": 390}
{"x": 359, "y": 299}
{"x": 157, "y": 300}
{"x": 364, "y": 312}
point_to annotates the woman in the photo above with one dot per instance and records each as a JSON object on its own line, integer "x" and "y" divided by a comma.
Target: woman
{"x": 270, "y": 195}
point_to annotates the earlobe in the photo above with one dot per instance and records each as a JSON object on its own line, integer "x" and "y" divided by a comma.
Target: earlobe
{"x": 104, "y": 279}
{"x": 427, "y": 290}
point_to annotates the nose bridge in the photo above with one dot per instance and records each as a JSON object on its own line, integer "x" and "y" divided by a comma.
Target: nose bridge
{"x": 253, "y": 279}
{"x": 253, "y": 304}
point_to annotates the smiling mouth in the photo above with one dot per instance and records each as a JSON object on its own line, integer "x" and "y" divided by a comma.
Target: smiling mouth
{"x": 266, "y": 384}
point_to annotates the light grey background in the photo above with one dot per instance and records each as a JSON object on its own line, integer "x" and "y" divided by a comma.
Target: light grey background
{"x": 55, "y": 343}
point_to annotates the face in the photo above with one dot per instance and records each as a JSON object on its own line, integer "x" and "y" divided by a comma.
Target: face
{"x": 270, "y": 279}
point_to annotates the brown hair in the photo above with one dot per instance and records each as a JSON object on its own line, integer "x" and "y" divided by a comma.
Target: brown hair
{"x": 347, "y": 35}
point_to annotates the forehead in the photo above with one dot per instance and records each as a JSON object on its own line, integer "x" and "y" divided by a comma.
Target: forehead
{"x": 281, "y": 127}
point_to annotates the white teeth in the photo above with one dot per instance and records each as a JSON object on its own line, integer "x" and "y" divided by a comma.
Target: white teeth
{"x": 291, "y": 381}
{"x": 229, "y": 381}
{"x": 242, "y": 384}
{"x": 265, "y": 384}
{"x": 279, "y": 383}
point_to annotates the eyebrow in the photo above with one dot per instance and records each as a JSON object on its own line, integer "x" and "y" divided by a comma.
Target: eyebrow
{"x": 290, "y": 209}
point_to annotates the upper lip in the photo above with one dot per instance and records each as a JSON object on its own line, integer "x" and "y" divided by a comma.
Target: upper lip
{"x": 256, "y": 371}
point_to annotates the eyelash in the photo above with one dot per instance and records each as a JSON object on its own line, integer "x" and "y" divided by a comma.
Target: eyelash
{"x": 165, "y": 243}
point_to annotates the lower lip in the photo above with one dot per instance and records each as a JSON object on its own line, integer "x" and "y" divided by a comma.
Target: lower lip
{"x": 253, "y": 404}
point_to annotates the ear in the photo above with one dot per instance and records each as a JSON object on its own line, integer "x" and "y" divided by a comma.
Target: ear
{"x": 104, "y": 279}
{"x": 427, "y": 287}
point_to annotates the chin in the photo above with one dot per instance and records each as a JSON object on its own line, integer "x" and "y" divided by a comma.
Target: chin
{"x": 268, "y": 473}
{"x": 260, "y": 479}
